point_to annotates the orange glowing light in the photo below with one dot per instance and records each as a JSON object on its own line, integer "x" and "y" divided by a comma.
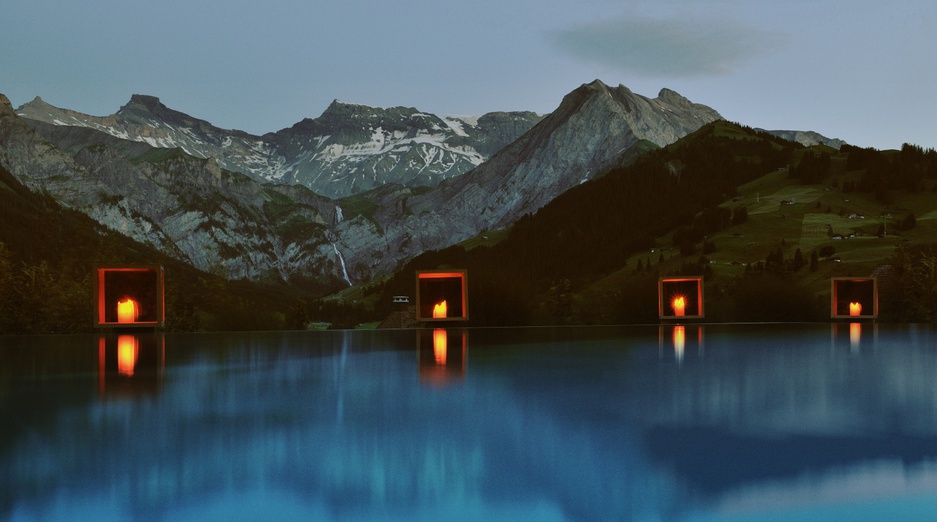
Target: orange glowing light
{"x": 440, "y": 310}
{"x": 440, "y": 346}
{"x": 855, "y": 309}
{"x": 679, "y": 306}
{"x": 127, "y": 350}
{"x": 855, "y": 335}
{"x": 127, "y": 311}
{"x": 679, "y": 341}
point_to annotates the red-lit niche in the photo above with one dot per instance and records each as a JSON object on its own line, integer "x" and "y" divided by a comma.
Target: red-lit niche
{"x": 680, "y": 298}
{"x": 853, "y": 298}
{"x": 442, "y": 295}
{"x": 130, "y": 297}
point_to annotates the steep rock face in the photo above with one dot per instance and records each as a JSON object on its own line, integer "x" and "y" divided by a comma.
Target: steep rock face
{"x": 223, "y": 221}
{"x": 145, "y": 119}
{"x": 347, "y": 150}
{"x": 594, "y": 125}
{"x": 190, "y": 208}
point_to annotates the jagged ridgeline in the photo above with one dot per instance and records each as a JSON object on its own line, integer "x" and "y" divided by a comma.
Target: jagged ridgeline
{"x": 204, "y": 195}
{"x": 593, "y": 229}
{"x": 347, "y": 150}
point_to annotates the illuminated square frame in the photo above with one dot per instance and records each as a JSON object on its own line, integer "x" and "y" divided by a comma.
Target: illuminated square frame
{"x": 446, "y": 284}
{"x": 147, "y": 284}
{"x": 691, "y": 287}
{"x": 845, "y": 290}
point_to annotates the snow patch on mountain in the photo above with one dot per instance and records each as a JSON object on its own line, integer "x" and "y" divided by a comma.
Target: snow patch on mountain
{"x": 348, "y": 150}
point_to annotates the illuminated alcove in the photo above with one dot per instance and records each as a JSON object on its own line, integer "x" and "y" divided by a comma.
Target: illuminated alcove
{"x": 680, "y": 298}
{"x": 853, "y": 298}
{"x": 130, "y": 297}
{"x": 441, "y": 295}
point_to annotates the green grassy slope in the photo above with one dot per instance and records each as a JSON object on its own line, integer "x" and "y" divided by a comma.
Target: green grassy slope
{"x": 594, "y": 255}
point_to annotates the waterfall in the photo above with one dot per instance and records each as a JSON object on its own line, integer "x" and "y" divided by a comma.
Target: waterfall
{"x": 338, "y": 215}
{"x": 342, "y": 260}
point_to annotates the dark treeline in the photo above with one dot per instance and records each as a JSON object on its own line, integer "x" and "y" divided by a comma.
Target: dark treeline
{"x": 594, "y": 228}
{"x": 906, "y": 170}
{"x": 47, "y": 258}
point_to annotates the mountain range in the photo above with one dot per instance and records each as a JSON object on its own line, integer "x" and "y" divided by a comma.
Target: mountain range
{"x": 332, "y": 201}
{"x": 347, "y": 150}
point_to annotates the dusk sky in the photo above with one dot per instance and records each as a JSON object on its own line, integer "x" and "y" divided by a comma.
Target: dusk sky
{"x": 864, "y": 71}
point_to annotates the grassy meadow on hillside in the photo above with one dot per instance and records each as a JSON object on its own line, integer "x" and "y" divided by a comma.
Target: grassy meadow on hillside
{"x": 766, "y": 222}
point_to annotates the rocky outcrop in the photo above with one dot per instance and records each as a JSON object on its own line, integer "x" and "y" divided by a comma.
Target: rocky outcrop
{"x": 592, "y": 127}
{"x": 807, "y": 138}
{"x": 190, "y": 208}
{"x": 6, "y": 108}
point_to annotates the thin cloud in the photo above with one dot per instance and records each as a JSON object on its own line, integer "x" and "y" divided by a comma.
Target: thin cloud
{"x": 666, "y": 47}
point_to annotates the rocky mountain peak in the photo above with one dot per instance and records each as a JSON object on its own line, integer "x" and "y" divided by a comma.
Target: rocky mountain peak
{"x": 589, "y": 132}
{"x": 146, "y": 100}
{"x": 37, "y": 105}
{"x": 6, "y": 108}
{"x": 141, "y": 108}
{"x": 339, "y": 116}
{"x": 672, "y": 97}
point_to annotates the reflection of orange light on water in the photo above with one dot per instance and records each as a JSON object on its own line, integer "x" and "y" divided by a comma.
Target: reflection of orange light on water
{"x": 127, "y": 350}
{"x": 440, "y": 346}
{"x": 679, "y": 341}
{"x": 126, "y": 311}
{"x": 855, "y": 309}
{"x": 679, "y": 306}
{"x": 440, "y": 310}
{"x": 855, "y": 335}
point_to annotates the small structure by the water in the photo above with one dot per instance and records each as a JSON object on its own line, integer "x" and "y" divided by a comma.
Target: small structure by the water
{"x": 853, "y": 298}
{"x": 130, "y": 297}
{"x": 442, "y": 295}
{"x": 680, "y": 298}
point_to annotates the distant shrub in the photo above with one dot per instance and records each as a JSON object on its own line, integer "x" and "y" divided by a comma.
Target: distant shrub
{"x": 773, "y": 299}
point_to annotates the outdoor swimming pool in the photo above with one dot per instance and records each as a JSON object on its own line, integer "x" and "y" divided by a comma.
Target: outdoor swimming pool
{"x": 714, "y": 422}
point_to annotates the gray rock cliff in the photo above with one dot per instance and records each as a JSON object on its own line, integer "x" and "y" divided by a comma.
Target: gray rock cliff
{"x": 199, "y": 210}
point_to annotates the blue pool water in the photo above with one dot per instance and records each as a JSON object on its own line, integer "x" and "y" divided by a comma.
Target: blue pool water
{"x": 696, "y": 423}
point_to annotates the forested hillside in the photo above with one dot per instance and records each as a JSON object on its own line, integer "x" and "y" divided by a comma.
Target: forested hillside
{"x": 714, "y": 204}
{"x": 753, "y": 214}
{"x": 595, "y": 228}
{"x": 47, "y": 257}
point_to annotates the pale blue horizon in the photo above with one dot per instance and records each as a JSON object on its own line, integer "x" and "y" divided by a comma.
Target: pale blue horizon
{"x": 862, "y": 73}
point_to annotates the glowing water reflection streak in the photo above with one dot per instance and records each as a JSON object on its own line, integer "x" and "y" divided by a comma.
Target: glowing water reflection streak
{"x": 128, "y": 348}
{"x": 440, "y": 346}
{"x": 679, "y": 342}
{"x": 855, "y": 335}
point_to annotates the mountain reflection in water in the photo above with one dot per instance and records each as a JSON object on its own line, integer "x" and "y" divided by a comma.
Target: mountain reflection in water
{"x": 677, "y": 422}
